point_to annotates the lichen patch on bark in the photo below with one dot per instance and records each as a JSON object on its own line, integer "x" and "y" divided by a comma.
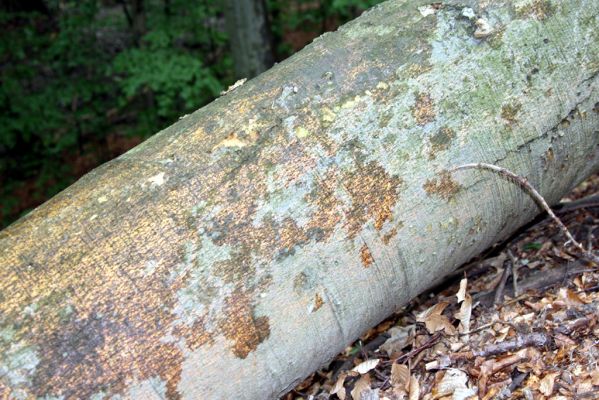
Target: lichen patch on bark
{"x": 242, "y": 326}
{"x": 509, "y": 112}
{"x": 440, "y": 141}
{"x": 318, "y": 302}
{"x": 366, "y": 256}
{"x": 443, "y": 186}
{"x": 373, "y": 193}
{"x": 538, "y": 9}
{"x": 423, "y": 109}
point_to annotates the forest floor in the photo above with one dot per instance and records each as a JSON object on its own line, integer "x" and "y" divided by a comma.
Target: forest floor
{"x": 519, "y": 322}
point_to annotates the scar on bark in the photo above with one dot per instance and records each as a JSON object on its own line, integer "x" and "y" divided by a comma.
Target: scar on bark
{"x": 366, "y": 256}
{"x": 445, "y": 186}
{"x": 423, "y": 110}
{"x": 318, "y": 302}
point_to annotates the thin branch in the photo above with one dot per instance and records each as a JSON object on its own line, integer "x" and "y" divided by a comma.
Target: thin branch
{"x": 500, "y": 289}
{"x": 514, "y": 272}
{"x": 522, "y": 340}
{"x": 523, "y": 182}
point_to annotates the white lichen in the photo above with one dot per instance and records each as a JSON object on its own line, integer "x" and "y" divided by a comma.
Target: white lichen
{"x": 483, "y": 29}
{"x": 157, "y": 180}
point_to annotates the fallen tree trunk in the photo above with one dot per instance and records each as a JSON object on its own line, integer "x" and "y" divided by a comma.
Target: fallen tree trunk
{"x": 238, "y": 250}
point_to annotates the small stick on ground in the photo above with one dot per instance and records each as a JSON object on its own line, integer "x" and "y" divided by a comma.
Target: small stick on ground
{"x": 499, "y": 290}
{"x": 521, "y": 341}
{"x": 428, "y": 344}
{"x": 523, "y": 182}
{"x": 514, "y": 273}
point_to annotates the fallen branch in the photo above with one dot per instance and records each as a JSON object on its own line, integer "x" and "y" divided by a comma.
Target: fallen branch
{"x": 499, "y": 290}
{"x": 521, "y": 341}
{"x": 523, "y": 182}
{"x": 414, "y": 352}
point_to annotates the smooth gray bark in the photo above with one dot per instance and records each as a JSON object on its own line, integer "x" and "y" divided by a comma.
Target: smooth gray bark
{"x": 250, "y": 36}
{"x": 235, "y": 252}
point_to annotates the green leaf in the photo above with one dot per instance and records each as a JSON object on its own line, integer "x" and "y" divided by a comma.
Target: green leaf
{"x": 532, "y": 246}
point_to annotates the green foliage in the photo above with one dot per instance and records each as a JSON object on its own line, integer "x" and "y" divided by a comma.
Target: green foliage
{"x": 312, "y": 16}
{"x": 45, "y": 110}
{"x": 77, "y": 74}
{"x": 532, "y": 246}
{"x": 67, "y": 78}
{"x": 347, "y": 8}
{"x": 168, "y": 70}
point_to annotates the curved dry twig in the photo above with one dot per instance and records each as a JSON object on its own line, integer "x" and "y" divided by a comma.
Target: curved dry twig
{"x": 523, "y": 182}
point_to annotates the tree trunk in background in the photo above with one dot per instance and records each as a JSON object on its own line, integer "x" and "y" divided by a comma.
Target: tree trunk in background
{"x": 139, "y": 19}
{"x": 235, "y": 252}
{"x": 250, "y": 36}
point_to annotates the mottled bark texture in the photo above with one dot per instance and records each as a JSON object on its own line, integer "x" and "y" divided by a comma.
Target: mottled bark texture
{"x": 235, "y": 252}
{"x": 250, "y": 37}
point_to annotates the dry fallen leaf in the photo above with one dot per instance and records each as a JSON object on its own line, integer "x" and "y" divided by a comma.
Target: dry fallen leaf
{"x": 401, "y": 337}
{"x": 584, "y": 386}
{"x": 362, "y": 385}
{"x": 400, "y": 376}
{"x": 595, "y": 377}
{"x": 366, "y": 366}
{"x": 547, "y": 383}
{"x": 464, "y": 315}
{"x": 436, "y": 309}
{"x": 570, "y": 298}
{"x": 338, "y": 389}
{"x": 461, "y": 294}
{"x": 464, "y": 393}
{"x": 452, "y": 380}
{"x": 434, "y": 321}
{"x": 414, "y": 388}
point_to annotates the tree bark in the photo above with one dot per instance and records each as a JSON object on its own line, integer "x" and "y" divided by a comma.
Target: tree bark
{"x": 250, "y": 36}
{"x": 235, "y": 252}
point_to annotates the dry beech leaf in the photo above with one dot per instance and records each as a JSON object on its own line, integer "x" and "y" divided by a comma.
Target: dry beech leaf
{"x": 464, "y": 314}
{"x": 400, "y": 376}
{"x": 547, "y": 383}
{"x": 464, "y": 394}
{"x": 370, "y": 394}
{"x": 453, "y": 380}
{"x": 584, "y": 386}
{"x": 338, "y": 389}
{"x": 461, "y": 294}
{"x": 436, "y": 309}
{"x": 434, "y": 321}
{"x": 570, "y": 298}
{"x": 414, "y": 388}
{"x": 502, "y": 333}
{"x": 362, "y": 385}
{"x": 524, "y": 318}
{"x": 595, "y": 377}
{"x": 366, "y": 366}
{"x": 494, "y": 281}
{"x": 400, "y": 337}
{"x": 564, "y": 341}
{"x": 438, "y": 322}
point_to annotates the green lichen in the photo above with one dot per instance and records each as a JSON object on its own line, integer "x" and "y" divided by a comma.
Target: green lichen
{"x": 509, "y": 112}
{"x": 302, "y": 132}
{"x": 441, "y": 141}
{"x": 537, "y": 9}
